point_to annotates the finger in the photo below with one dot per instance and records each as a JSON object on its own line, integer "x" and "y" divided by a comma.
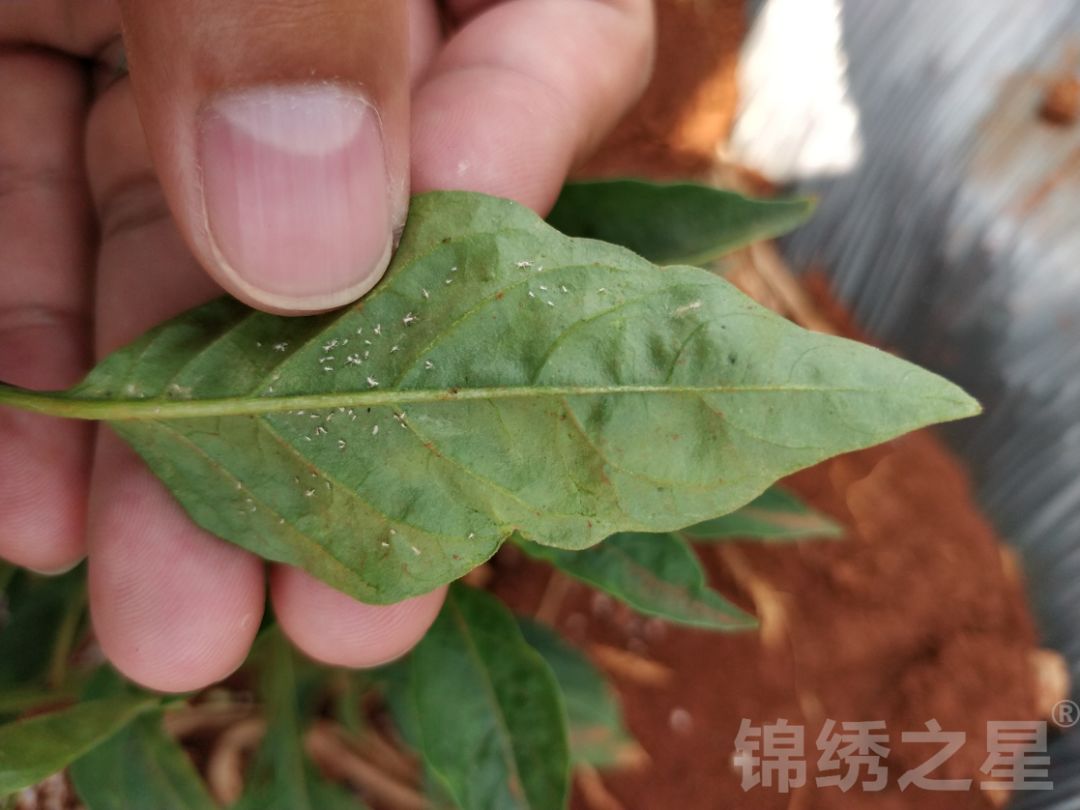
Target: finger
{"x": 280, "y": 134}
{"x": 77, "y": 27}
{"x": 425, "y": 34}
{"x": 508, "y": 112}
{"x": 45, "y": 240}
{"x": 324, "y": 623}
{"x": 335, "y": 629}
{"x": 173, "y": 607}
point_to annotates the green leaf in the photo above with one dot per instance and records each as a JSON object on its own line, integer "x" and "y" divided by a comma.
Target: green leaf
{"x": 672, "y": 223}
{"x": 282, "y": 777}
{"x": 776, "y": 515}
{"x": 39, "y": 746}
{"x": 139, "y": 767}
{"x": 44, "y": 614}
{"x": 598, "y": 735}
{"x": 656, "y": 574}
{"x": 15, "y": 700}
{"x": 636, "y": 400}
{"x": 487, "y": 715}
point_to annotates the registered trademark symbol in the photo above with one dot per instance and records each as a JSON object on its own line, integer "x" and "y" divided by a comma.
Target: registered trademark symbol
{"x": 1066, "y": 714}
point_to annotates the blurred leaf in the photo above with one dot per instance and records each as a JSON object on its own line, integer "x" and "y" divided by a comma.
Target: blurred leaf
{"x": 491, "y": 401}
{"x": 39, "y": 746}
{"x": 139, "y": 767}
{"x": 656, "y": 574}
{"x": 672, "y": 223}
{"x": 488, "y": 717}
{"x": 776, "y": 515}
{"x": 282, "y": 776}
{"x": 7, "y": 572}
{"x": 44, "y": 613}
{"x": 598, "y": 735}
{"x": 14, "y": 700}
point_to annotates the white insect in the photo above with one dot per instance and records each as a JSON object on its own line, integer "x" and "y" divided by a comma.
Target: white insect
{"x": 375, "y": 430}
{"x": 415, "y": 550}
{"x": 372, "y": 382}
{"x": 429, "y": 365}
{"x": 400, "y": 417}
{"x": 523, "y": 264}
{"x": 449, "y": 281}
{"x": 394, "y": 348}
{"x": 542, "y": 287}
{"x": 309, "y": 493}
{"x": 320, "y": 430}
{"x": 453, "y": 269}
{"x": 409, "y": 318}
{"x": 280, "y": 347}
{"x": 425, "y": 293}
{"x": 532, "y": 294}
{"x": 563, "y": 288}
{"x": 354, "y": 360}
{"x": 342, "y": 444}
{"x": 378, "y": 329}
{"x": 550, "y": 303}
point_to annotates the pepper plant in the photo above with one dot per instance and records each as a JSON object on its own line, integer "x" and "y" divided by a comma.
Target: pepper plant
{"x": 576, "y": 388}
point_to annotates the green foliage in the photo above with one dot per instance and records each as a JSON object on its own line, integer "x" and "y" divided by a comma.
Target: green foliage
{"x": 637, "y": 400}
{"x": 598, "y": 735}
{"x": 486, "y": 712}
{"x": 776, "y": 515}
{"x": 36, "y": 747}
{"x": 282, "y": 777}
{"x": 42, "y": 613}
{"x": 656, "y": 574}
{"x": 503, "y": 381}
{"x": 672, "y": 223}
{"x": 140, "y": 766}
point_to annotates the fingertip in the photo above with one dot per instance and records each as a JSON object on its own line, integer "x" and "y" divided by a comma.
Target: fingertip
{"x": 335, "y": 629}
{"x": 174, "y": 608}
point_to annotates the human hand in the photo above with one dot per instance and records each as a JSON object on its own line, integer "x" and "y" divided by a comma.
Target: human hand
{"x": 274, "y": 152}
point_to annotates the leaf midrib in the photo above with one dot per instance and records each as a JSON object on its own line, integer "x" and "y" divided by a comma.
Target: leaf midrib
{"x": 509, "y": 754}
{"x": 96, "y": 408}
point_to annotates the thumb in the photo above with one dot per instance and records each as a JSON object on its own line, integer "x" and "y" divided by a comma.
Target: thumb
{"x": 280, "y": 135}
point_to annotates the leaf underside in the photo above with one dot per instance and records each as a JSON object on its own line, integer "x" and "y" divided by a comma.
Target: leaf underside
{"x": 502, "y": 378}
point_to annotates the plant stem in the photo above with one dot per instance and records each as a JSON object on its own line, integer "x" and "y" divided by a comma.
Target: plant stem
{"x": 65, "y": 637}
